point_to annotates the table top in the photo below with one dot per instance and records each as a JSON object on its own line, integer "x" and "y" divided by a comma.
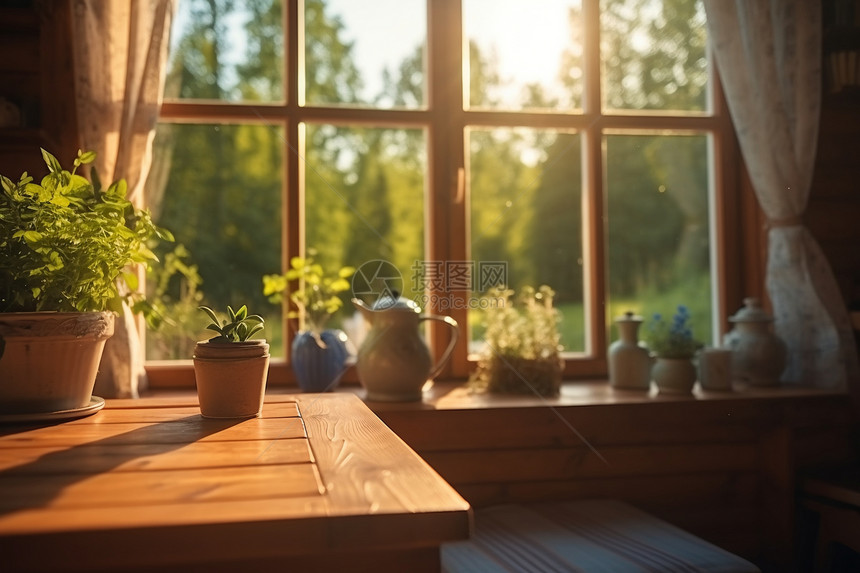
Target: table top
{"x": 315, "y": 473}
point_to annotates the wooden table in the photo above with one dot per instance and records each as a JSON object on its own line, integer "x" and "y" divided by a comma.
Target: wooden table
{"x": 317, "y": 483}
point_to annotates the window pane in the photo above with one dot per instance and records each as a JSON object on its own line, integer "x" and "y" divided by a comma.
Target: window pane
{"x": 225, "y": 50}
{"x": 653, "y": 54}
{"x": 365, "y": 52}
{"x": 658, "y": 227}
{"x": 364, "y": 203}
{"x": 525, "y": 189}
{"x": 524, "y": 55}
{"x": 218, "y": 189}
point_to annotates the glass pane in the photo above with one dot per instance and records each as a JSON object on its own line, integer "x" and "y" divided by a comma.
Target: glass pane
{"x": 365, "y": 52}
{"x": 218, "y": 189}
{"x": 525, "y": 189}
{"x": 226, "y": 50}
{"x": 364, "y": 207}
{"x": 658, "y": 227}
{"x": 524, "y": 55}
{"x": 653, "y": 54}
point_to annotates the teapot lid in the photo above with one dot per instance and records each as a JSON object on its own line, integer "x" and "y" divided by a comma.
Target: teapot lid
{"x": 391, "y": 300}
{"x": 751, "y": 312}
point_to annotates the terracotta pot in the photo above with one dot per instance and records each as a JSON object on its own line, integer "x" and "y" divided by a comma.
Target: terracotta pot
{"x": 231, "y": 378}
{"x": 50, "y": 360}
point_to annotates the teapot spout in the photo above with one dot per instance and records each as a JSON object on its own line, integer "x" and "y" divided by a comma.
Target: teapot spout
{"x": 365, "y": 310}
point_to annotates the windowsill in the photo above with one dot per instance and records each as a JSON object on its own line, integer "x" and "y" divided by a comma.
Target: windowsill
{"x": 456, "y": 395}
{"x": 594, "y": 393}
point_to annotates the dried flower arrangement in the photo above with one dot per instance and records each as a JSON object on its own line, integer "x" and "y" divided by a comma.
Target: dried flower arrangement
{"x": 522, "y": 353}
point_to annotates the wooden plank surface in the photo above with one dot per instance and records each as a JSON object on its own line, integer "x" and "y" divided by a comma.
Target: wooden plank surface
{"x": 178, "y": 431}
{"x": 316, "y": 474}
{"x": 151, "y": 457}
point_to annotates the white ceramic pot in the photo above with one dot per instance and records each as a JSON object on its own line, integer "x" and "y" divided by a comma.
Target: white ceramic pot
{"x": 674, "y": 375}
{"x": 50, "y": 360}
{"x": 231, "y": 378}
{"x": 629, "y": 362}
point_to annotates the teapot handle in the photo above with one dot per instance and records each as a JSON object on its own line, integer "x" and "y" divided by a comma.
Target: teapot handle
{"x": 455, "y": 335}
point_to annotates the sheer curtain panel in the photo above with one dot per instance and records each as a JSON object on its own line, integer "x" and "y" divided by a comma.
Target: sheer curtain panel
{"x": 769, "y": 56}
{"x": 120, "y": 54}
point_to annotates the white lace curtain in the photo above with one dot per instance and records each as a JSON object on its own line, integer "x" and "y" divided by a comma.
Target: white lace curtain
{"x": 768, "y": 53}
{"x": 120, "y": 54}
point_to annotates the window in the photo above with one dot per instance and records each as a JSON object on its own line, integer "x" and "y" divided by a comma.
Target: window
{"x": 575, "y": 143}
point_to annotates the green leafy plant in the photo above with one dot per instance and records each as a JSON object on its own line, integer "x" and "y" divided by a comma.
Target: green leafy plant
{"x": 317, "y": 294}
{"x": 171, "y": 305}
{"x": 66, "y": 244}
{"x": 523, "y": 351}
{"x": 673, "y": 340}
{"x": 238, "y": 327}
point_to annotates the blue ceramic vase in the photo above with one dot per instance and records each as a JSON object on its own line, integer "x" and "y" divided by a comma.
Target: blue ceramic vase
{"x": 319, "y": 360}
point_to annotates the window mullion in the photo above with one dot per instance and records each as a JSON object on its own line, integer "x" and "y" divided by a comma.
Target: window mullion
{"x": 594, "y": 259}
{"x": 292, "y": 205}
{"x": 446, "y": 208}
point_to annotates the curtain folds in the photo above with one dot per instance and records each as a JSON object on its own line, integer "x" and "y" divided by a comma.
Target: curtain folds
{"x": 769, "y": 56}
{"x": 120, "y": 55}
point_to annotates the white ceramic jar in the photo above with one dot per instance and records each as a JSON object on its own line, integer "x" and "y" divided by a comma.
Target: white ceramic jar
{"x": 758, "y": 355}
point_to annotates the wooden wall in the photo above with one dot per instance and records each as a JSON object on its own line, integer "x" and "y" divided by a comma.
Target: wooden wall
{"x": 36, "y": 77}
{"x": 833, "y": 216}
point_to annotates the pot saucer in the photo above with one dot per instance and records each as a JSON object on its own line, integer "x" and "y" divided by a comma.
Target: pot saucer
{"x": 94, "y": 406}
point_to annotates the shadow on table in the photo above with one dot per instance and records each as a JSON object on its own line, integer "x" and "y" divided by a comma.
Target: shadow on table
{"x": 36, "y": 483}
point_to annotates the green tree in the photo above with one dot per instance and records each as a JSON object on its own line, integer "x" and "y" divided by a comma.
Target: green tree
{"x": 656, "y": 203}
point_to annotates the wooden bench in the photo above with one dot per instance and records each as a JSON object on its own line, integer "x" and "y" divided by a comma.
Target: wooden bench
{"x": 586, "y": 536}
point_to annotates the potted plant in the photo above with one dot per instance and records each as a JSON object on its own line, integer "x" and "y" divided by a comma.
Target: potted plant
{"x": 319, "y": 355}
{"x": 231, "y": 369}
{"x": 522, "y": 353}
{"x": 674, "y": 346}
{"x": 65, "y": 249}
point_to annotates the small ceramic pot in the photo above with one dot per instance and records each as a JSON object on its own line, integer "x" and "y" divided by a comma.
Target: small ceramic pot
{"x": 231, "y": 378}
{"x": 319, "y": 360}
{"x": 674, "y": 375}
{"x": 715, "y": 369}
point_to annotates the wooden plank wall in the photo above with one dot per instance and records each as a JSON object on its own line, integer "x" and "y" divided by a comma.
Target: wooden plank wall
{"x": 834, "y": 203}
{"x": 723, "y": 470}
{"x": 36, "y": 76}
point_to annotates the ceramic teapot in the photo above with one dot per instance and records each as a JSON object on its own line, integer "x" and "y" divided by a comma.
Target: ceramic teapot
{"x": 394, "y": 362}
{"x": 758, "y": 355}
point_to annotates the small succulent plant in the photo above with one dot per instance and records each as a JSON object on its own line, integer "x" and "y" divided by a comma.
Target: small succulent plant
{"x": 238, "y": 327}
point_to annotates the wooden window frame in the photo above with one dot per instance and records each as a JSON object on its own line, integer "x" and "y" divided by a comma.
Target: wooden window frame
{"x": 445, "y": 121}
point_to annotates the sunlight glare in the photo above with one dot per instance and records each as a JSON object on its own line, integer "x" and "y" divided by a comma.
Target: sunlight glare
{"x": 527, "y": 42}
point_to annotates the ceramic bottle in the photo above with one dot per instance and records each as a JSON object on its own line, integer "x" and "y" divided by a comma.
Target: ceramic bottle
{"x": 758, "y": 355}
{"x": 629, "y": 361}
